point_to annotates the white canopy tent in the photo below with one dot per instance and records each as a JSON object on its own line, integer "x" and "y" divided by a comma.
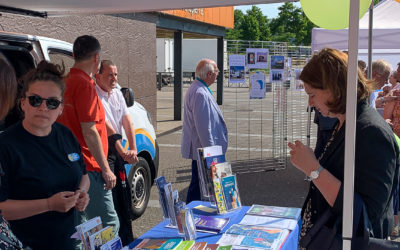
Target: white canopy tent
{"x": 385, "y": 39}
{"x": 74, "y": 7}
{"x": 69, "y": 7}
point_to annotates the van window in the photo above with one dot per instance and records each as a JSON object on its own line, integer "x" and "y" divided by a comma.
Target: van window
{"x": 59, "y": 56}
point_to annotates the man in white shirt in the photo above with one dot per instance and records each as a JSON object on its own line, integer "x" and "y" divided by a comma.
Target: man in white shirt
{"x": 117, "y": 117}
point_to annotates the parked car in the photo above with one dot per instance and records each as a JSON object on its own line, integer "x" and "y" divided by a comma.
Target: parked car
{"x": 24, "y": 52}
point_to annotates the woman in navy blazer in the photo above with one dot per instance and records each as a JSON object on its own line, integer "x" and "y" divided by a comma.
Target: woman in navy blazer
{"x": 376, "y": 174}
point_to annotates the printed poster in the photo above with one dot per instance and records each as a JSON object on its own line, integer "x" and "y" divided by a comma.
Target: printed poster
{"x": 237, "y": 72}
{"x": 257, "y": 58}
{"x": 257, "y": 85}
{"x": 276, "y": 75}
{"x": 298, "y": 84}
{"x": 277, "y": 62}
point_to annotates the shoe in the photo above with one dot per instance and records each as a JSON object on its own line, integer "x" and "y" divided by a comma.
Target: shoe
{"x": 395, "y": 232}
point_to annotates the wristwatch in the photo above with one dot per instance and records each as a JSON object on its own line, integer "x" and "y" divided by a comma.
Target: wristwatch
{"x": 315, "y": 174}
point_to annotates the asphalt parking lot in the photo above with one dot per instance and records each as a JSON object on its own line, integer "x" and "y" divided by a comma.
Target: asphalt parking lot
{"x": 248, "y": 142}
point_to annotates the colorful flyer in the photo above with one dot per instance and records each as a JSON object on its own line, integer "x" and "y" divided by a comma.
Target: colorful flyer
{"x": 257, "y": 58}
{"x": 237, "y": 72}
{"x": 298, "y": 84}
{"x": 257, "y": 85}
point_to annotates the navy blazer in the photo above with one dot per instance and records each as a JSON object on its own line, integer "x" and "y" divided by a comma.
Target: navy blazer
{"x": 203, "y": 123}
{"x": 376, "y": 171}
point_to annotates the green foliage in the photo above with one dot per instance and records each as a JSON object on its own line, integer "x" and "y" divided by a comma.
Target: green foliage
{"x": 290, "y": 26}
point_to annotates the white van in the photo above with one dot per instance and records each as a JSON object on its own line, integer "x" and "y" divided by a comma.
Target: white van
{"x": 24, "y": 52}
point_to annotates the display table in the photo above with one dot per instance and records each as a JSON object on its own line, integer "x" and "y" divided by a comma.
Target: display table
{"x": 162, "y": 232}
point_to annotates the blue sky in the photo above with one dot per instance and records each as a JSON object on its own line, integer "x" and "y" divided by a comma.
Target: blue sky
{"x": 269, "y": 10}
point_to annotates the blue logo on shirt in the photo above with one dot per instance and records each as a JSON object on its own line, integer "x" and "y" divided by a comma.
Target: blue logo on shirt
{"x": 73, "y": 157}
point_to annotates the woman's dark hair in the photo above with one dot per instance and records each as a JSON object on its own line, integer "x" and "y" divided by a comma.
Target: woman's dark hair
{"x": 45, "y": 71}
{"x": 327, "y": 70}
{"x": 8, "y": 88}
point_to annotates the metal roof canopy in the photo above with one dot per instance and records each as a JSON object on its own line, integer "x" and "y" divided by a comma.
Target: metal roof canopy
{"x": 74, "y": 7}
{"x": 44, "y": 8}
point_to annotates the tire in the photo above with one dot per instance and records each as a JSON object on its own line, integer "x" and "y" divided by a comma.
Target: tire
{"x": 140, "y": 181}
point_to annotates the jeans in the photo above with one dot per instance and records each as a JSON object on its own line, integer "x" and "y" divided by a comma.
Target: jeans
{"x": 101, "y": 203}
{"x": 193, "y": 193}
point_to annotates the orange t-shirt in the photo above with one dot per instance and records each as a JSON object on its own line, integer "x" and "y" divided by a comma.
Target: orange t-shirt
{"x": 81, "y": 104}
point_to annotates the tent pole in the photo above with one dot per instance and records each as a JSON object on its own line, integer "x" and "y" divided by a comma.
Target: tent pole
{"x": 370, "y": 29}
{"x": 351, "y": 108}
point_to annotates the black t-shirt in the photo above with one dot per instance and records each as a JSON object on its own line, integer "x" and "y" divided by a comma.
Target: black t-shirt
{"x": 36, "y": 168}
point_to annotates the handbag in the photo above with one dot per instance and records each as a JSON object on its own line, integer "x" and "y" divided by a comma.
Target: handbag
{"x": 324, "y": 236}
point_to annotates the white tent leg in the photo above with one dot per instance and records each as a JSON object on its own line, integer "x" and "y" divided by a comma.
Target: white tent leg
{"x": 351, "y": 108}
{"x": 370, "y": 30}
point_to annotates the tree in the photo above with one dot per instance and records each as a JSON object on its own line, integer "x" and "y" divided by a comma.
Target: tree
{"x": 250, "y": 26}
{"x": 291, "y": 26}
{"x": 236, "y": 32}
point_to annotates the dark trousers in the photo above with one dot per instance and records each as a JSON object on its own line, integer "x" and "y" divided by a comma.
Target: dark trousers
{"x": 121, "y": 194}
{"x": 193, "y": 193}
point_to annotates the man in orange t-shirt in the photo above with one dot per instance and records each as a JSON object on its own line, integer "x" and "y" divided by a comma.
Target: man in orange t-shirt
{"x": 84, "y": 115}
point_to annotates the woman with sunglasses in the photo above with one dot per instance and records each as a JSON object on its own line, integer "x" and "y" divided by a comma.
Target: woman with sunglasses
{"x": 45, "y": 181}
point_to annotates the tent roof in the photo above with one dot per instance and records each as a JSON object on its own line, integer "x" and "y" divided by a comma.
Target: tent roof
{"x": 386, "y": 15}
{"x": 69, "y": 7}
{"x": 386, "y": 32}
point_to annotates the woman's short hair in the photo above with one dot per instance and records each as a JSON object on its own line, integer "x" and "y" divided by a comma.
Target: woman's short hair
{"x": 8, "y": 88}
{"x": 204, "y": 66}
{"x": 327, "y": 70}
{"x": 45, "y": 71}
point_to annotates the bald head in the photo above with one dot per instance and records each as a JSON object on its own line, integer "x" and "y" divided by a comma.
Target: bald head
{"x": 207, "y": 71}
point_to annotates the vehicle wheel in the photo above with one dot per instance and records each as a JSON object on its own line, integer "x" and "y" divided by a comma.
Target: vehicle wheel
{"x": 139, "y": 179}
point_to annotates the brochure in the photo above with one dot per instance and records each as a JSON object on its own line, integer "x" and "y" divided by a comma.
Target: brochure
{"x": 199, "y": 246}
{"x": 185, "y": 245}
{"x": 223, "y": 169}
{"x": 209, "y": 223}
{"x": 151, "y": 243}
{"x": 170, "y": 202}
{"x": 88, "y": 228}
{"x": 161, "y": 182}
{"x": 271, "y": 222}
{"x": 273, "y": 211}
{"x": 171, "y": 244}
{"x": 254, "y": 236}
{"x": 231, "y": 192}
{"x": 114, "y": 244}
{"x": 101, "y": 237}
{"x": 212, "y": 246}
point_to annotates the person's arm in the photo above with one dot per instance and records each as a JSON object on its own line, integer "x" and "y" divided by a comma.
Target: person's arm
{"x": 118, "y": 145}
{"x": 20, "y": 209}
{"x": 302, "y": 157}
{"x": 83, "y": 196}
{"x": 131, "y": 154}
{"x": 93, "y": 141}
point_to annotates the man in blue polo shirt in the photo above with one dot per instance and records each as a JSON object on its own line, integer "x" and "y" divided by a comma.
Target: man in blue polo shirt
{"x": 203, "y": 123}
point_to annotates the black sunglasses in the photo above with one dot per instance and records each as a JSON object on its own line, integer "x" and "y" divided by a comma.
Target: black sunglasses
{"x": 36, "y": 101}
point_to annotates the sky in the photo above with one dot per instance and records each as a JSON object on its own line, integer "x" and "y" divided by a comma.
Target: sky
{"x": 269, "y": 10}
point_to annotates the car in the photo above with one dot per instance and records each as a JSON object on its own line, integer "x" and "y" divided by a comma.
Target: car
{"x": 24, "y": 52}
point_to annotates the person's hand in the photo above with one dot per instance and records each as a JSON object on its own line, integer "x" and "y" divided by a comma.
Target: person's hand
{"x": 302, "y": 157}
{"x": 389, "y": 121}
{"x": 109, "y": 179}
{"x": 62, "y": 201}
{"x": 83, "y": 200}
{"x": 131, "y": 156}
